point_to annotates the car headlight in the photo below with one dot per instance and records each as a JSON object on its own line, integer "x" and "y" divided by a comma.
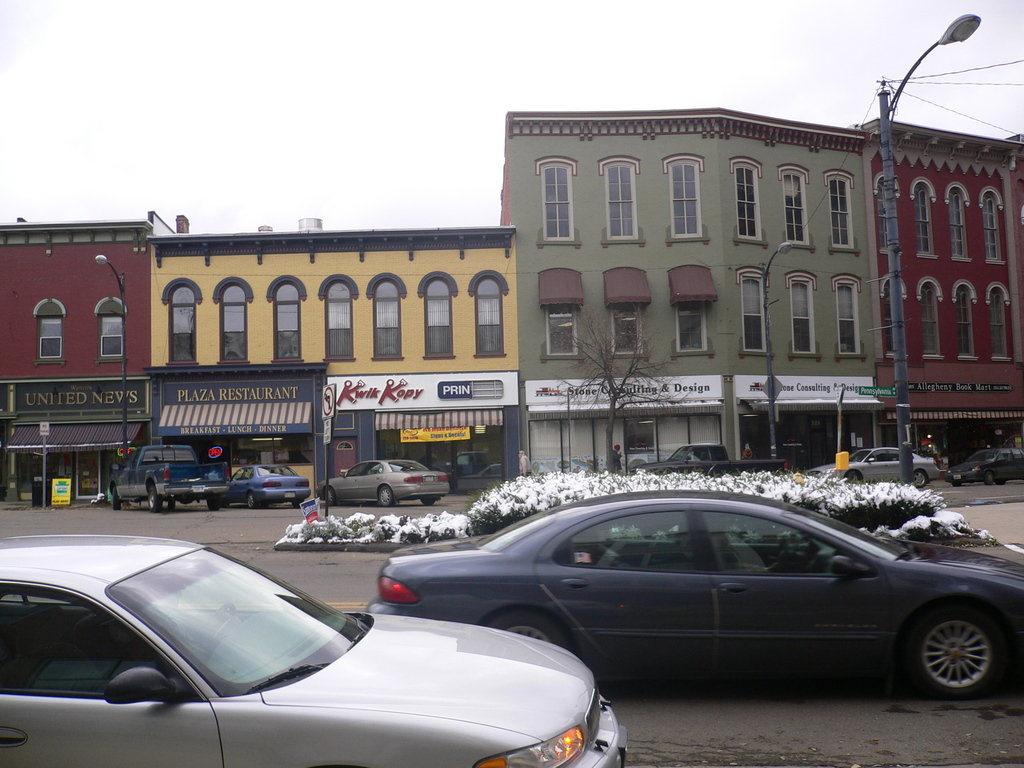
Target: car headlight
{"x": 561, "y": 750}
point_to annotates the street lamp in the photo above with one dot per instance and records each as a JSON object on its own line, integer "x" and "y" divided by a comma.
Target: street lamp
{"x": 957, "y": 32}
{"x": 119, "y": 276}
{"x": 769, "y": 383}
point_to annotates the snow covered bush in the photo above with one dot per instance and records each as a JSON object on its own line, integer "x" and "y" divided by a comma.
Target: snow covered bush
{"x": 364, "y": 528}
{"x": 893, "y": 509}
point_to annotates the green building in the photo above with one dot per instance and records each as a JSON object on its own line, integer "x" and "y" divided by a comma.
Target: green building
{"x": 656, "y": 227}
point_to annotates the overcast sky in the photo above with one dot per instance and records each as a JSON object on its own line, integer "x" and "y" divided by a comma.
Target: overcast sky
{"x": 379, "y": 115}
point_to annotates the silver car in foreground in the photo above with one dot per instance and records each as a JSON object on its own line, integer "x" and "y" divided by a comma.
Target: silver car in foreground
{"x": 120, "y": 651}
{"x": 388, "y": 481}
{"x": 883, "y": 464}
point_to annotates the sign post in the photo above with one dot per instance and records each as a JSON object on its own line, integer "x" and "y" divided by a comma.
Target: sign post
{"x": 44, "y": 432}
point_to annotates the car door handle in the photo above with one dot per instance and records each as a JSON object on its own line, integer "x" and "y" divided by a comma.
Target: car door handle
{"x": 12, "y": 737}
{"x": 731, "y": 586}
{"x": 576, "y": 583}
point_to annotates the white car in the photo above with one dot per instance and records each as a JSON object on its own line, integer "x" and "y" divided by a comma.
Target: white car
{"x": 120, "y": 651}
{"x": 883, "y": 464}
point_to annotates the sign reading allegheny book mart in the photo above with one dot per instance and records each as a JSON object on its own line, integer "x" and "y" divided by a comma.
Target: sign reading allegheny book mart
{"x": 261, "y": 406}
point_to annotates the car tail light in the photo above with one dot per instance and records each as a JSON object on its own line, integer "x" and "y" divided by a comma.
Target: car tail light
{"x": 395, "y": 591}
{"x": 303, "y": 483}
{"x": 442, "y": 477}
{"x": 413, "y": 479}
{"x": 167, "y": 474}
{"x": 271, "y": 484}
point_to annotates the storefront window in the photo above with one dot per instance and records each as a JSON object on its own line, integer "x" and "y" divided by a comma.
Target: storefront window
{"x": 289, "y": 449}
{"x": 471, "y": 464}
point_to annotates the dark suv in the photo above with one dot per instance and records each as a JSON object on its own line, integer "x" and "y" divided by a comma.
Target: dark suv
{"x": 992, "y": 466}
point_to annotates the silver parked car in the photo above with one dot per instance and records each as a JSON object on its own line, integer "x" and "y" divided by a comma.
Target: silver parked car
{"x": 120, "y": 650}
{"x": 883, "y": 464}
{"x": 388, "y": 481}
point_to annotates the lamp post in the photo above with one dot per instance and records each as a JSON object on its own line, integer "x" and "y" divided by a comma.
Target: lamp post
{"x": 957, "y": 32}
{"x": 119, "y": 276}
{"x": 769, "y": 383}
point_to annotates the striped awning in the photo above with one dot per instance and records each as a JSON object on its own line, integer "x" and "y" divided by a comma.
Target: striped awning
{"x": 234, "y": 414}
{"x": 71, "y": 437}
{"x": 947, "y": 415}
{"x": 465, "y": 417}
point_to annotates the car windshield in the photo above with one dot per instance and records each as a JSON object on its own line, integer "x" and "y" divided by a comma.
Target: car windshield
{"x": 238, "y": 627}
{"x": 986, "y": 455}
{"x": 496, "y": 542}
{"x": 406, "y": 465}
{"x": 861, "y": 455}
{"x": 856, "y": 538}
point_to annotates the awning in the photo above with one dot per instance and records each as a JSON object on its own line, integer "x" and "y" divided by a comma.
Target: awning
{"x": 628, "y": 412}
{"x": 947, "y": 415}
{"x": 819, "y": 405}
{"x": 691, "y": 282}
{"x": 234, "y": 414}
{"x": 560, "y": 286}
{"x": 71, "y": 437}
{"x": 626, "y": 285}
{"x": 464, "y": 417}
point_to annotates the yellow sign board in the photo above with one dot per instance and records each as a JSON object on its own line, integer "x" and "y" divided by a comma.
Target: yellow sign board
{"x": 60, "y": 494}
{"x": 434, "y": 434}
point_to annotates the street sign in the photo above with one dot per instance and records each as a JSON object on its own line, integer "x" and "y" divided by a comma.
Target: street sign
{"x": 877, "y": 391}
{"x": 329, "y": 401}
{"x": 328, "y": 428}
{"x": 44, "y": 428}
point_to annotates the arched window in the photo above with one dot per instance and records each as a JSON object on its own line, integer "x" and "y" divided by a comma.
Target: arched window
{"x": 748, "y": 217}
{"x": 753, "y": 320}
{"x": 438, "y": 318}
{"x": 929, "y": 319}
{"x": 839, "y": 210}
{"x": 964, "y": 327}
{"x": 387, "y": 327}
{"x": 886, "y": 317}
{"x": 556, "y": 182}
{"x": 233, "y": 336}
{"x": 803, "y": 322}
{"x": 923, "y": 217}
{"x": 183, "y": 325}
{"x": 684, "y": 194}
{"x": 957, "y": 243}
{"x": 990, "y": 225}
{"x": 339, "y": 321}
{"x": 110, "y": 317}
{"x": 846, "y": 318}
{"x": 997, "y": 321}
{"x": 793, "y": 184}
{"x": 620, "y": 188}
{"x": 287, "y": 339}
{"x": 489, "y": 335}
{"x": 883, "y": 239}
{"x": 50, "y": 329}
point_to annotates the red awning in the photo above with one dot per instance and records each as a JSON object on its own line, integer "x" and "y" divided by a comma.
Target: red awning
{"x": 626, "y": 285}
{"x": 560, "y": 286}
{"x": 70, "y": 437}
{"x": 691, "y": 282}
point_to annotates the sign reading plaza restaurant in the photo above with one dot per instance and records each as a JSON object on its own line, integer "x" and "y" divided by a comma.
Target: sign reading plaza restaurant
{"x": 225, "y": 407}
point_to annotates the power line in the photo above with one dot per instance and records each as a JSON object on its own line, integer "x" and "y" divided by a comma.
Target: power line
{"x": 972, "y": 69}
{"x": 961, "y": 114}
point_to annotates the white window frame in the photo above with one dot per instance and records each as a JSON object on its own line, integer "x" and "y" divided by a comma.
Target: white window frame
{"x": 956, "y": 206}
{"x": 696, "y": 309}
{"x": 103, "y": 314}
{"x": 612, "y": 169}
{"x": 751, "y": 278}
{"x": 623, "y": 313}
{"x": 745, "y": 166}
{"x": 995, "y": 297}
{"x": 794, "y": 211}
{"x": 964, "y": 297}
{"x": 795, "y": 284}
{"x": 542, "y": 168}
{"x": 990, "y": 206}
{"x": 679, "y": 164}
{"x": 44, "y": 314}
{"x": 840, "y": 285}
{"x": 923, "y": 197}
{"x": 558, "y": 311}
{"x": 929, "y": 317}
{"x": 841, "y": 217}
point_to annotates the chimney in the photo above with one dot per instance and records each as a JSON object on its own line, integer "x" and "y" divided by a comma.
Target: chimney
{"x": 181, "y": 223}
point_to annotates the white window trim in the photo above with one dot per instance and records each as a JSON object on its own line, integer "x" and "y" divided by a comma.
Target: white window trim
{"x": 845, "y": 281}
{"x": 828, "y": 176}
{"x": 571, "y": 165}
{"x": 548, "y": 311}
{"x": 701, "y": 312}
{"x": 667, "y": 165}
{"x": 747, "y": 163}
{"x": 800, "y": 278}
{"x": 634, "y": 165}
{"x": 742, "y": 275}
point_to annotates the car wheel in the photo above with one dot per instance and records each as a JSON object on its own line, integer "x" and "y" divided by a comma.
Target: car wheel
{"x": 332, "y": 496}
{"x": 213, "y": 503}
{"x": 385, "y": 496}
{"x": 955, "y": 483}
{"x": 250, "y": 500}
{"x": 296, "y": 504}
{"x": 956, "y": 652}
{"x": 429, "y": 500}
{"x": 156, "y": 504}
{"x": 990, "y": 477}
{"x": 169, "y": 505}
{"x": 920, "y": 478}
{"x": 532, "y": 625}
{"x": 115, "y": 498}
{"x": 853, "y": 474}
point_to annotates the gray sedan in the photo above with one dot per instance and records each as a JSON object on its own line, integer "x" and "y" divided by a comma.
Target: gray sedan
{"x": 123, "y": 651}
{"x": 388, "y": 481}
{"x": 687, "y": 584}
{"x": 883, "y": 464}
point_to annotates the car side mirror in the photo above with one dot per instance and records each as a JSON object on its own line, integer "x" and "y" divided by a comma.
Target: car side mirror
{"x": 141, "y": 684}
{"x": 847, "y": 566}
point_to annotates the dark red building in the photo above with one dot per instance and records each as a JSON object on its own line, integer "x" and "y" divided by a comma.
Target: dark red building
{"x": 961, "y": 256}
{"x": 63, "y": 339}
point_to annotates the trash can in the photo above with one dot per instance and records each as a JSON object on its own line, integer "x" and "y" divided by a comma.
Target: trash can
{"x": 37, "y": 493}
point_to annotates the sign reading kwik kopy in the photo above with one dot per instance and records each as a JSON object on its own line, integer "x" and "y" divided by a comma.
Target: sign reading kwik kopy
{"x": 419, "y": 391}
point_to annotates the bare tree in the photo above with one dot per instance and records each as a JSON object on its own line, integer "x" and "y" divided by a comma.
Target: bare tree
{"x": 615, "y": 359}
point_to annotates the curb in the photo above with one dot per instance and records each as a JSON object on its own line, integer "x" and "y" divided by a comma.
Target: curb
{"x": 384, "y": 546}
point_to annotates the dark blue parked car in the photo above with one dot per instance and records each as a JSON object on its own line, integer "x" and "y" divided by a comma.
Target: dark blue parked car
{"x": 711, "y": 585}
{"x": 260, "y": 485}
